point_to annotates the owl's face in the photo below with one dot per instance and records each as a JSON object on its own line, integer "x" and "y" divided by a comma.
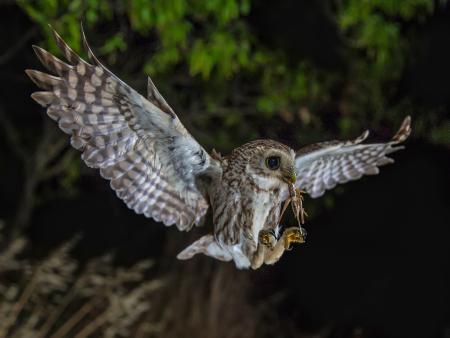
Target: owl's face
{"x": 272, "y": 165}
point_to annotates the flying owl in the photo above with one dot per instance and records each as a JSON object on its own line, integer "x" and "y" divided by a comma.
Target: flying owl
{"x": 158, "y": 169}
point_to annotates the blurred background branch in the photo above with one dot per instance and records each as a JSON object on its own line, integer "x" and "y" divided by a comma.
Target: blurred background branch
{"x": 14, "y": 49}
{"x": 45, "y": 161}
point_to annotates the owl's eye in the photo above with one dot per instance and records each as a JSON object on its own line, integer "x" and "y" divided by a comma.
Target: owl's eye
{"x": 273, "y": 162}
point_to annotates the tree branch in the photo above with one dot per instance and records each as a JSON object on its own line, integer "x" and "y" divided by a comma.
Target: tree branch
{"x": 12, "y": 51}
{"x": 12, "y": 136}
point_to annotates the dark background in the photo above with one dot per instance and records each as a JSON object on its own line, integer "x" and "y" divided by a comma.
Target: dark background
{"x": 377, "y": 259}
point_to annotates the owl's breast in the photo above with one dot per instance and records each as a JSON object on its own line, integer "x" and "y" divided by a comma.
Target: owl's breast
{"x": 241, "y": 212}
{"x": 265, "y": 213}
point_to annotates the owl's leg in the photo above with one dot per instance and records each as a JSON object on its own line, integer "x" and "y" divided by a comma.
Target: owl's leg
{"x": 266, "y": 241}
{"x": 290, "y": 235}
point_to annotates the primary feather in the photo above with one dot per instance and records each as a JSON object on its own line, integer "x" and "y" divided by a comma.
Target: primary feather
{"x": 322, "y": 166}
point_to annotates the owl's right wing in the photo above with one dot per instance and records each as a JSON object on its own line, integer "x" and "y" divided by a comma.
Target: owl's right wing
{"x": 322, "y": 166}
{"x": 137, "y": 143}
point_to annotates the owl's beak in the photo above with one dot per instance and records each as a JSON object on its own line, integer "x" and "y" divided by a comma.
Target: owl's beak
{"x": 291, "y": 176}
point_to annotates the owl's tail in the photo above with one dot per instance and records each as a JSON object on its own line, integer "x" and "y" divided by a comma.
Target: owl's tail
{"x": 208, "y": 246}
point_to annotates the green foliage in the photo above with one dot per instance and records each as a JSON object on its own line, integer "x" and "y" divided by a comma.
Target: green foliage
{"x": 208, "y": 47}
{"x": 374, "y": 29}
{"x": 211, "y": 40}
{"x": 441, "y": 134}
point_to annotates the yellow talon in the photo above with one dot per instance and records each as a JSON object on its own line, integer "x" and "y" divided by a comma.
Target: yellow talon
{"x": 266, "y": 238}
{"x": 293, "y": 235}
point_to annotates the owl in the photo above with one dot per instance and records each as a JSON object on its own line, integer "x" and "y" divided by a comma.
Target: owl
{"x": 159, "y": 170}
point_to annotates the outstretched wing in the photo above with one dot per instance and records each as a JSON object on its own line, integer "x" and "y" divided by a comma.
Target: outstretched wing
{"x": 137, "y": 143}
{"x": 322, "y": 166}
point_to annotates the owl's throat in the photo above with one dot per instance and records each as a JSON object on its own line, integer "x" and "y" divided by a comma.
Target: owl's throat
{"x": 265, "y": 183}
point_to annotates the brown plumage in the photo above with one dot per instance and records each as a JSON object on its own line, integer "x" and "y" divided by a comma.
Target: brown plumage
{"x": 158, "y": 169}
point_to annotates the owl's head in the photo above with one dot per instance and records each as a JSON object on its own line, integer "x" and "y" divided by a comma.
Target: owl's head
{"x": 269, "y": 163}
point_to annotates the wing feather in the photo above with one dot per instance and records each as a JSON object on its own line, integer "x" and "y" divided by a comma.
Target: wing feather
{"x": 322, "y": 166}
{"x": 138, "y": 144}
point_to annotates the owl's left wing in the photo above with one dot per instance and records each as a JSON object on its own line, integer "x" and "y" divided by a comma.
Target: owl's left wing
{"x": 138, "y": 143}
{"x": 322, "y": 166}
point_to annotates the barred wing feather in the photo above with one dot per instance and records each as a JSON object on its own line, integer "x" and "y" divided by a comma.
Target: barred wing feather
{"x": 322, "y": 166}
{"x": 137, "y": 143}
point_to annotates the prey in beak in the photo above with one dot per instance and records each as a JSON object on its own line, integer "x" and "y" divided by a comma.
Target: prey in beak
{"x": 296, "y": 200}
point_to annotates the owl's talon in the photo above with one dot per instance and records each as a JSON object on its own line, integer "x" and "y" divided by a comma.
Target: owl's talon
{"x": 293, "y": 235}
{"x": 267, "y": 238}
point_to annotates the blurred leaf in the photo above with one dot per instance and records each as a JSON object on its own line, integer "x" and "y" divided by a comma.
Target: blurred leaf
{"x": 218, "y": 72}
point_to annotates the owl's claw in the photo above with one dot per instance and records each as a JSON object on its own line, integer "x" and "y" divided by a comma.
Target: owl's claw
{"x": 267, "y": 238}
{"x": 293, "y": 235}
